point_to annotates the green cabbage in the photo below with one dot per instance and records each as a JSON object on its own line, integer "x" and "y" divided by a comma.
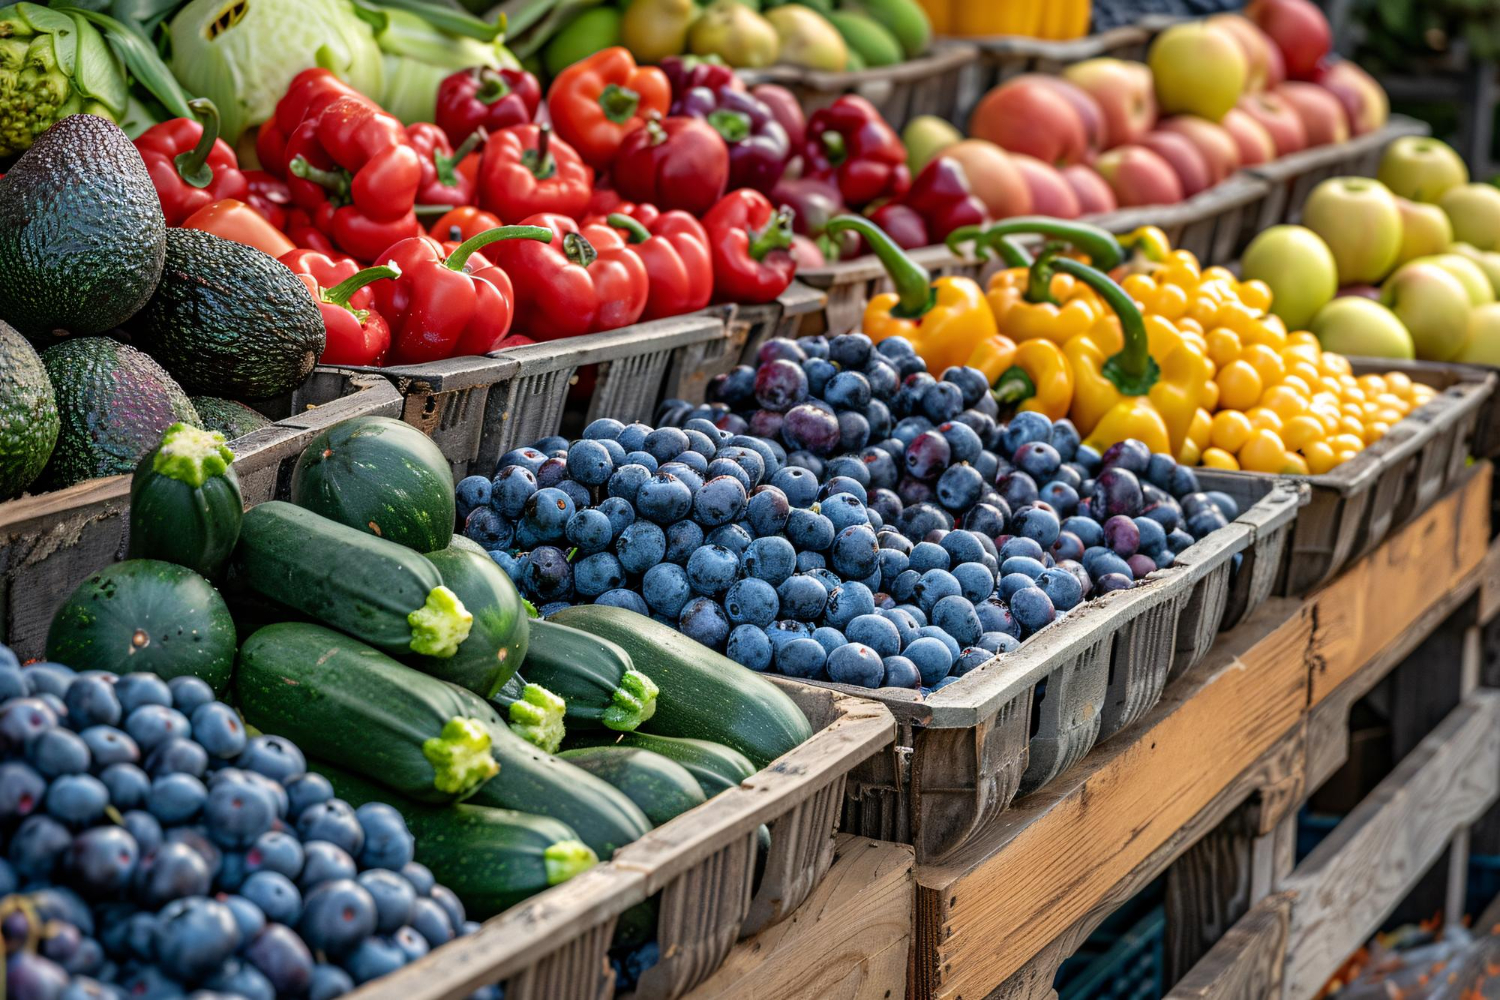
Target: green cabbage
{"x": 418, "y": 55}
{"x": 243, "y": 53}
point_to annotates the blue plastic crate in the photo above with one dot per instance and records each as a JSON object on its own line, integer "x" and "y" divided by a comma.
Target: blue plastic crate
{"x": 1311, "y": 829}
{"x": 1129, "y": 968}
{"x": 1484, "y": 884}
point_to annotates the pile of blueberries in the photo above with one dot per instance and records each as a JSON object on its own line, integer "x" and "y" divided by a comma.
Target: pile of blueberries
{"x": 836, "y": 512}
{"x": 151, "y": 850}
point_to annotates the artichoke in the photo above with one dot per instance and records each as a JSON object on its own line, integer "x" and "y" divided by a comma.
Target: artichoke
{"x": 52, "y": 65}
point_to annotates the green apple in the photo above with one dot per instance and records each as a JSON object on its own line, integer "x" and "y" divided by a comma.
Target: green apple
{"x": 1199, "y": 70}
{"x": 1425, "y": 230}
{"x": 1474, "y": 210}
{"x": 1351, "y": 324}
{"x": 1483, "y": 347}
{"x": 1468, "y": 273}
{"x": 1299, "y": 268}
{"x": 1488, "y": 261}
{"x": 925, "y": 137}
{"x": 1359, "y": 220}
{"x": 1434, "y": 307}
{"x": 1421, "y": 168}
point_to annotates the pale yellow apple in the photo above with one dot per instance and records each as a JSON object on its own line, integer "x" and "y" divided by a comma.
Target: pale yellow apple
{"x": 1483, "y": 347}
{"x": 925, "y": 136}
{"x": 1299, "y": 268}
{"x": 1433, "y": 306}
{"x": 1199, "y": 70}
{"x": 1354, "y": 325}
{"x": 1469, "y": 274}
{"x": 1474, "y": 211}
{"x": 1488, "y": 261}
{"x": 1425, "y": 230}
{"x": 1359, "y": 220}
{"x": 1421, "y": 168}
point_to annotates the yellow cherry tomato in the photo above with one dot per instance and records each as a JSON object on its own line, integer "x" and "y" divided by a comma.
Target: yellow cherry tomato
{"x": 1387, "y": 415}
{"x": 1347, "y": 442}
{"x": 1352, "y": 425}
{"x": 1375, "y": 430}
{"x": 1239, "y": 385}
{"x": 1330, "y": 416}
{"x": 1264, "y": 417}
{"x": 1320, "y": 457}
{"x": 1210, "y": 397}
{"x": 1190, "y": 454}
{"x": 1371, "y": 383}
{"x": 1398, "y": 384}
{"x": 1353, "y": 394}
{"x": 1263, "y": 452}
{"x": 1203, "y": 310}
{"x": 1300, "y": 368}
{"x": 1296, "y": 465}
{"x": 1223, "y": 345}
{"x": 1335, "y": 364}
{"x": 1286, "y": 400}
{"x": 1171, "y": 301}
{"x": 1218, "y": 458}
{"x": 1266, "y": 361}
{"x": 1230, "y": 430}
{"x": 1255, "y": 294}
{"x": 1299, "y": 431}
{"x": 1304, "y": 338}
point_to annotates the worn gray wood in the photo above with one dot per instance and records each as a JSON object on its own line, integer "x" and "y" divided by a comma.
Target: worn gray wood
{"x": 1246, "y": 963}
{"x": 1209, "y": 889}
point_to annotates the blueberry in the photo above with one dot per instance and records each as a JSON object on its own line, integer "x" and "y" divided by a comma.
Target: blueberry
{"x": 809, "y": 530}
{"x": 928, "y": 556}
{"x": 218, "y": 729}
{"x": 689, "y": 470}
{"x": 770, "y": 558}
{"x": 892, "y": 564}
{"x": 604, "y": 427}
{"x": 875, "y": 632}
{"x": 664, "y": 498}
{"x": 1089, "y": 531}
{"x": 857, "y": 664}
{"x": 1061, "y": 588}
{"x": 1024, "y": 565}
{"x": 855, "y": 553}
{"x": 128, "y": 785}
{"x": 959, "y": 487}
{"x": 931, "y": 657}
{"x": 329, "y": 981}
{"x": 750, "y": 461}
{"x": 277, "y": 851}
{"x": 510, "y": 490}
{"x": 337, "y": 916}
{"x": 977, "y": 583}
{"x": 177, "y": 755}
{"x": 275, "y": 894}
{"x": 964, "y": 443}
{"x": 730, "y": 536}
{"x": 547, "y": 573}
{"x": 393, "y": 896}
{"x": 1024, "y": 428}
{"x": 767, "y": 511}
{"x": 683, "y": 539}
{"x": 963, "y": 546}
{"x": 283, "y": 958}
{"x": 590, "y": 531}
{"x": 324, "y": 862}
{"x": 749, "y": 647}
{"x": 721, "y": 500}
{"x": 593, "y": 575}
{"x": 927, "y": 455}
{"x": 802, "y": 597}
{"x": 1032, "y": 608}
{"x": 589, "y": 463}
{"x": 57, "y": 752}
{"x": 193, "y": 938}
{"x": 1064, "y": 438}
{"x": 1122, "y": 536}
{"x": 999, "y": 642}
{"x": 850, "y": 350}
{"x": 809, "y": 561}
{"x": 933, "y": 586}
{"x": 956, "y": 616}
{"x": 752, "y": 602}
{"x": 91, "y": 701}
{"x": 704, "y": 621}
{"x": 1017, "y": 489}
{"x": 801, "y": 658}
{"x": 332, "y": 821}
{"x": 711, "y": 569}
{"x": 176, "y": 870}
{"x": 1019, "y": 546}
{"x": 847, "y": 602}
{"x": 1037, "y": 459}
{"x": 1102, "y": 561}
{"x": 666, "y": 589}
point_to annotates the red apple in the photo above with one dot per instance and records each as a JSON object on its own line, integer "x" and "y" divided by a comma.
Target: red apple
{"x": 1299, "y": 30}
{"x": 1277, "y": 116}
{"x": 1138, "y": 176}
{"x": 1083, "y": 102}
{"x": 1124, "y": 93}
{"x": 1250, "y": 138}
{"x": 1256, "y": 45}
{"x": 1028, "y": 116}
{"x": 1363, "y": 99}
{"x": 1051, "y": 194}
{"x": 1187, "y": 163}
{"x": 1220, "y": 151}
{"x": 1322, "y": 114}
{"x": 1094, "y": 195}
{"x": 1275, "y": 67}
{"x": 993, "y": 177}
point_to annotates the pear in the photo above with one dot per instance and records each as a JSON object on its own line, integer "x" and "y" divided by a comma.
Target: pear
{"x": 735, "y": 33}
{"x": 809, "y": 39}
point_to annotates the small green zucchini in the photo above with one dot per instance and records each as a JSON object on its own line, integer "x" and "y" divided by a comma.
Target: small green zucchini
{"x": 593, "y": 676}
{"x": 714, "y": 766}
{"x": 185, "y": 503}
{"x": 501, "y": 631}
{"x": 662, "y": 788}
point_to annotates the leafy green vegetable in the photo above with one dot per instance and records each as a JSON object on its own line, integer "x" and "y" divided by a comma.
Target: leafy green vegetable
{"x": 53, "y": 64}
{"x": 419, "y": 54}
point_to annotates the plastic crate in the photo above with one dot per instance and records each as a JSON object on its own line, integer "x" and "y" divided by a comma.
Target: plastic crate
{"x": 1354, "y": 506}
{"x": 1130, "y": 968}
{"x": 1011, "y": 726}
{"x": 701, "y": 866}
{"x": 51, "y": 542}
{"x": 748, "y": 326}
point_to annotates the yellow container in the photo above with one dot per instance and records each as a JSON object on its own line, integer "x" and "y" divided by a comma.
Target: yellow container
{"x": 1063, "y": 20}
{"x": 976, "y": 18}
{"x": 940, "y": 15}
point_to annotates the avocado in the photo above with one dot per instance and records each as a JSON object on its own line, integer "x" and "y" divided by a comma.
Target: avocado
{"x": 28, "y": 413}
{"x": 82, "y": 236}
{"x": 229, "y": 320}
{"x": 867, "y": 39}
{"x": 115, "y": 403}
{"x": 229, "y": 417}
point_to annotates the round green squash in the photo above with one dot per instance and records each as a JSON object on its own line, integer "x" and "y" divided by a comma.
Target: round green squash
{"x": 381, "y": 476}
{"x": 146, "y": 615}
{"x": 185, "y": 503}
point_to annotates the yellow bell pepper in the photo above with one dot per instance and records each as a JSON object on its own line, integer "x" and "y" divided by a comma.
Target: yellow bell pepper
{"x": 997, "y": 17}
{"x": 1041, "y": 380}
{"x": 945, "y": 319}
{"x": 939, "y": 15}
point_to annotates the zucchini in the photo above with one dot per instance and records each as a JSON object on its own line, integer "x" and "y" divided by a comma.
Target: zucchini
{"x": 354, "y": 706}
{"x": 380, "y": 476}
{"x": 499, "y": 637}
{"x": 149, "y": 616}
{"x": 185, "y": 504}
{"x": 715, "y": 767}
{"x": 704, "y": 694}
{"x": 534, "y": 713}
{"x": 593, "y": 676}
{"x": 662, "y": 788}
{"x": 377, "y": 591}
{"x": 493, "y": 858}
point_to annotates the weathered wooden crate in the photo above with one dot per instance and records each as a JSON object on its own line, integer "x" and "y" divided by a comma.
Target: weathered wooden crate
{"x": 50, "y": 542}
{"x": 700, "y": 867}
{"x": 1354, "y": 506}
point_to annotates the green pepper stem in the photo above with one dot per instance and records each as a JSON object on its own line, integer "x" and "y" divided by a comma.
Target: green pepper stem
{"x": 776, "y": 236}
{"x": 335, "y": 182}
{"x": 1039, "y": 281}
{"x": 655, "y": 134}
{"x": 734, "y": 126}
{"x": 460, "y": 256}
{"x": 633, "y": 228}
{"x": 192, "y": 166}
{"x": 1104, "y": 251}
{"x": 1133, "y": 371}
{"x": 913, "y": 281}
{"x": 447, "y": 165}
{"x": 619, "y": 103}
{"x": 579, "y": 250}
{"x": 1013, "y": 386}
{"x": 834, "y": 146}
{"x": 492, "y": 86}
{"x": 339, "y": 294}
{"x": 1006, "y": 247}
{"x": 540, "y": 161}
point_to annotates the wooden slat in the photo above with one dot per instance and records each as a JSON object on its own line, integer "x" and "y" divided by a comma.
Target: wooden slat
{"x": 1361, "y": 871}
{"x": 1489, "y": 584}
{"x": 849, "y": 941}
{"x": 1246, "y": 963}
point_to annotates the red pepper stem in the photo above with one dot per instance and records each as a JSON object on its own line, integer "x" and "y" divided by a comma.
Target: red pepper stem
{"x": 447, "y": 165}
{"x": 633, "y": 228}
{"x": 578, "y": 249}
{"x": 192, "y": 166}
{"x": 913, "y": 282}
{"x": 460, "y": 256}
{"x": 619, "y": 103}
{"x": 492, "y": 86}
{"x": 540, "y": 160}
{"x": 340, "y": 294}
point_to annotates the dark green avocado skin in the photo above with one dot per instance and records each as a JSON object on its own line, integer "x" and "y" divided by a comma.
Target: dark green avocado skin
{"x": 229, "y": 417}
{"x": 229, "y": 320}
{"x": 28, "y": 413}
{"x": 82, "y": 236}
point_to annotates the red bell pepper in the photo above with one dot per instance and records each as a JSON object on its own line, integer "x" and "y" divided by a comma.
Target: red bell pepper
{"x": 462, "y": 223}
{"x": 606, "y": 200}
{"x": 190, "y": 166}
{"x": 942, "y": 196}
{"x": 357, "y": 333}
{"x": 442, "y": 182}
{"x": 527, "y": 170}
{"x": 582, "y": 281}
{"x": 448, "y": 304}
{"x": 674, "y": 248}
{"x": 234, "y": 220}
{"x": 902, "y": 223}
{"x": 306, "y": 96}
{"x": 486, "y": 98}
{"x": 850, "y": 142}
{"x": 750, "y": 243}
{"x": 672, "y": 163}
{"x": 269, "y": 196}
{"x": 596, "y": 102}
{"x": 301, "y": 231}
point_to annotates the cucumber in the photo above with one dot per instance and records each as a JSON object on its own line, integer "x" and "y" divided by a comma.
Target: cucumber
{"x": 661, "y": 787}
{"x": 593, "y": 676}
{"x": 492, "y": 858}
{"x": 146, "y": 615}
{"x": 534, "y": 713}
{"x": 185, "y": 504}
{"x": 379, "y": 476}
{"x": 499, "y": 637}
{"x": 715, "y": 767}
{"x": 356, "y": 707}
{"x": 704, "y": 695}
{"x": 377, "y": 591}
